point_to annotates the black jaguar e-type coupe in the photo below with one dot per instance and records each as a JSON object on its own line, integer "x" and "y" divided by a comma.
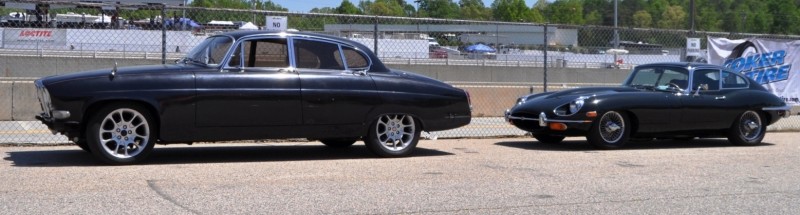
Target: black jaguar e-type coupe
{"x": 663, "y": 100}
{"x": 251, "y": 85}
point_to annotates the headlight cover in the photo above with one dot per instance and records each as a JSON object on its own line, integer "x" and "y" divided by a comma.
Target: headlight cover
{"x": 520, "y": 100}
{"x": 571, "y": 108}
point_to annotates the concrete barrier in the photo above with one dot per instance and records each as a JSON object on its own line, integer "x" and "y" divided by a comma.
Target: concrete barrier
{"x": 6, "y": 92}
{"x": 25, "y": 104}
{"x": 458, "y": 73}
{"x": 14, "y": 66}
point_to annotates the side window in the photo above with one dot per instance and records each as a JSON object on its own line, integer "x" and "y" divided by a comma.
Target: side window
{"x": 706, "y": 76}
{"x": 272, "y": 52}
{"x": 355, "y": 60}
{"x": 730, "y": 80}
{"x": 310, "y": 54}
{"x": 673, "y": 77}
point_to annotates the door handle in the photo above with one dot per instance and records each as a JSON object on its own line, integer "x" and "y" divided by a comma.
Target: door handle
{"x": 720, "y": 98}
{"x": 286, "y": 70}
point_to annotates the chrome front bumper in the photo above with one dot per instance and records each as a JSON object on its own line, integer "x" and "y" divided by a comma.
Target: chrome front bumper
{"x": 543, "y": 120}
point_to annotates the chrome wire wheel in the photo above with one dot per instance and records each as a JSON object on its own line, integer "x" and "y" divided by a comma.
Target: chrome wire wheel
{"x": 395, "y": 132}
{"x": 612, "y": 127}
{"x": 124, "y": 133}
{"x": 750, "y": 126}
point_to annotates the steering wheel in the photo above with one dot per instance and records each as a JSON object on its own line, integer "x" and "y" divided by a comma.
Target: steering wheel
{"x": 675, "y": 86}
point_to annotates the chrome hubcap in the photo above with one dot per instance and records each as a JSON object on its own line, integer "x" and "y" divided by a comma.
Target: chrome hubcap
{"x": 611, "y": 127}
{"x": 124, "y": 133}
{"x": 750, "y": 125}
{"x": 395, "y": 132}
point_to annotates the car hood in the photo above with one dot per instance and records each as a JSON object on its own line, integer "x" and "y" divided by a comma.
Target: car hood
{"x": 552, "y": 99}
{"x": 121, "y": 71}
{"x": 588, "y": 91}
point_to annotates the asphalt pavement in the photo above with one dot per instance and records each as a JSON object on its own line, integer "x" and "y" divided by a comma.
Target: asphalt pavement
{"x": 444, "y": 176}
{"x": 36, "y": 133}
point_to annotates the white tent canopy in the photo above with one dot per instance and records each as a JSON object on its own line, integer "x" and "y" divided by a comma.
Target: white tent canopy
{"x": 249, "y": 26}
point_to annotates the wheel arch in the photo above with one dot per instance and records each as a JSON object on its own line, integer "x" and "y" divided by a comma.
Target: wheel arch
{"x": 97, "y": 105}
{"x": 634, "y": 120}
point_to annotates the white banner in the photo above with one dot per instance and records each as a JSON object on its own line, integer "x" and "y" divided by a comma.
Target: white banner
{"x": 34, "y": 38}
{"x": 768, "y": 62}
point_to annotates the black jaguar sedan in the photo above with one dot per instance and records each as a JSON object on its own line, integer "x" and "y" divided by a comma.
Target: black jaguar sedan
{"x": 665, "y": 100}
{"x": 251, "y": 85}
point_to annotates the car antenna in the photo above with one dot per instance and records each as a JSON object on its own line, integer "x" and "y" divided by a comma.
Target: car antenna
{"x": 113, "y": 71}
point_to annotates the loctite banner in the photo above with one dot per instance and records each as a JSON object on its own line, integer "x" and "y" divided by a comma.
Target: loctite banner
{"x": 767, "y": 61}
{"x": 34, "y": 38}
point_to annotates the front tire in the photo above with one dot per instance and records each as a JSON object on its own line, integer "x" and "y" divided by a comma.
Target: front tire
{"x": 550, "y": 139}
{"x": 610, "y": 131}
{"x": 121, "y": 133}
{"x": 393, "y": 135}
{"x": 748, "y": 129}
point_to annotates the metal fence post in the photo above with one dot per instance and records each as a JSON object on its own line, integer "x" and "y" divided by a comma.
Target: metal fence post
{"x": 163, "y": 34}
{"x": 544, "y": 87}
{"x": 375, "y": 37}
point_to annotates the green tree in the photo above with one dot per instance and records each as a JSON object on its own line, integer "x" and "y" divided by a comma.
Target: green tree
{"x": 269, "y": 5}
{"x": 656, "y": 8}
{"x": 515, "y": 11}
{"x": 438, "y": 8}
{"x": 673, "y": 18}
{"x": 598, "y": 12}
{"x": 642, "y": 19}
{"x": 594, "y": 18}
{"x": 566, "y": 12}
{"x": 347, "y": 8}
{"x": 786, "y": 16}
{"x": 474, "y": 10}
{"x": 383, "y": 7}
{"x": 329, "y": 10}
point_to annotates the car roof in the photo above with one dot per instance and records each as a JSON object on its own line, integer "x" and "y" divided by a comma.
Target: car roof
{"x": 377, "y": 65}
{"x": 684, "y": 65}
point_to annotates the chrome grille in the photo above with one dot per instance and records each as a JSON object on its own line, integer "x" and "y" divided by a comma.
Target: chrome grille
{"x": 44, "y": 98}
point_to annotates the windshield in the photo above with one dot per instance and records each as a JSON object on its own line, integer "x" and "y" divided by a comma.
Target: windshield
{"x": 661, "y": 78}
{"x": 211, "y": 51}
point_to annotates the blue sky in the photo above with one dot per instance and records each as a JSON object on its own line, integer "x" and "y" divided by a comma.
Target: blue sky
{"x": 306, "y": 5}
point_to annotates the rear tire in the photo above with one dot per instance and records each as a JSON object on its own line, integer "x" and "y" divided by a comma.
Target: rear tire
{"x": 339, "y": 142}
{"x": 550, "y": 139}
{"x": 610, "y": 131}
{"x": 121, "y": 133}
{"x": 393, "y": 135}
{"x": 748, "y": 129}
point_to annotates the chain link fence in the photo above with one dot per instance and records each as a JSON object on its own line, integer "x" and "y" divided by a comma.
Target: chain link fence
{"x": 496, "y": 61}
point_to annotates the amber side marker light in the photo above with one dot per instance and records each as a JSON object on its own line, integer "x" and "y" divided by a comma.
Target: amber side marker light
{"x": 591, "y": 114}
{"x": 558, "y": 126}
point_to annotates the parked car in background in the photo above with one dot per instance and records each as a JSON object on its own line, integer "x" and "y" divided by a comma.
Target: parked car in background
{"x": 663, "y": 100}
{"x": 251, "y": 85}
{"x": 437, "y": 52}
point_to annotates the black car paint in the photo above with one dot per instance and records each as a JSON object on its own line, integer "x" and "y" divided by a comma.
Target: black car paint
{"x": 194, "y": 102}
{"x": 708, "y": 113}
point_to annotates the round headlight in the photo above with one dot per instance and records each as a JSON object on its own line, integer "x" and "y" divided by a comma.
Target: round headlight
{"x": 576, "y": 105}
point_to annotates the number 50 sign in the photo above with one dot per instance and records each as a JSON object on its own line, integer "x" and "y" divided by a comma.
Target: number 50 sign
{"x": 276, "y": 23}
